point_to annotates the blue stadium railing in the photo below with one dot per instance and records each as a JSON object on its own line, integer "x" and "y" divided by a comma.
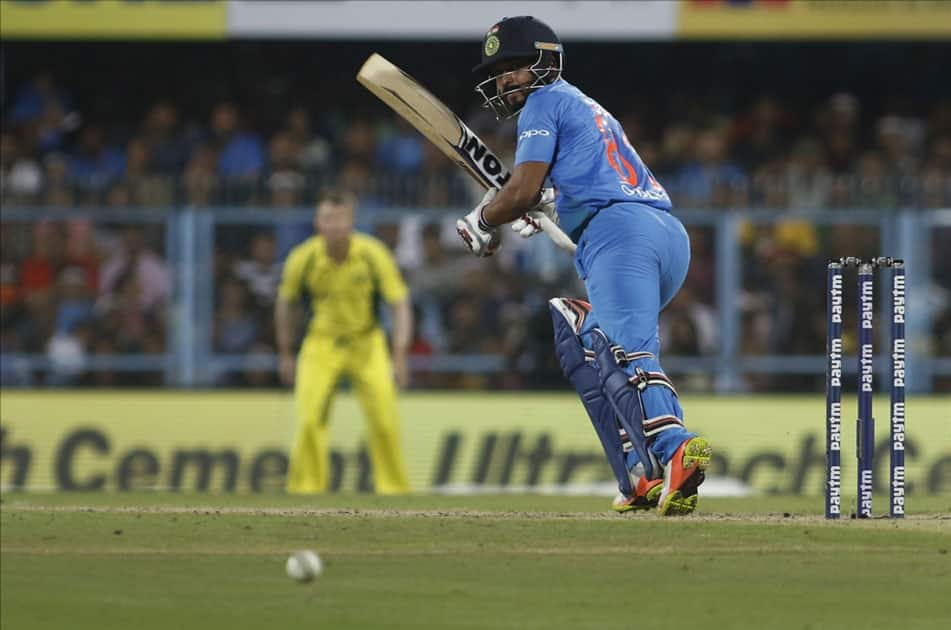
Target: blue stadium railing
{"x": 189, "y": 242}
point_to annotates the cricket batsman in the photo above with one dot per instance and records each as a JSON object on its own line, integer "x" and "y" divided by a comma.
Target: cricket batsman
{"x": 632, "y": 255}
{"x": 345, "y": 275}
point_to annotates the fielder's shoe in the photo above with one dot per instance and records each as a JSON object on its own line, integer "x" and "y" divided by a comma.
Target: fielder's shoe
{"x": 683, "y": 474}
{"x": 645, "y": 496}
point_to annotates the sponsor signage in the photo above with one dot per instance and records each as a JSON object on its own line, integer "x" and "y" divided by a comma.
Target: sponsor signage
{"x": 814, "y": 19}
{"x": 355, "y": 19}
{"x": 112, "y": 19}
{"x": 237, "y": 442}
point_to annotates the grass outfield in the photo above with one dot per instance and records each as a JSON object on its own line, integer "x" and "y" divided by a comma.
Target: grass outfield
{"x": 205, "y": 561}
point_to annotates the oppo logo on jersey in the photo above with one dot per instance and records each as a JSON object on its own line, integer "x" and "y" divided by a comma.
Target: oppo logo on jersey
{"x": 653, "y": 195}
{"x": 530, "y": 133}
{"x": 485, "y": 164}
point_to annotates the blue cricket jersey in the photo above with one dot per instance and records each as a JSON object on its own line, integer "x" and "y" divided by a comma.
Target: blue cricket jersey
{"x": 593, "y": 165}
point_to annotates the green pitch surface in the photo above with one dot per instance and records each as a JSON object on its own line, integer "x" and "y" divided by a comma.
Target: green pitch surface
{"x": 190, "y": 561}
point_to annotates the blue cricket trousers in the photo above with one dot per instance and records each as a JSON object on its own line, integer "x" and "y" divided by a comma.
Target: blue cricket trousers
{"x": 633, "y": 259}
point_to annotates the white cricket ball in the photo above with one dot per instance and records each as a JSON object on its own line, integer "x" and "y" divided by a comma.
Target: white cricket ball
{"x": 304, "y": 565}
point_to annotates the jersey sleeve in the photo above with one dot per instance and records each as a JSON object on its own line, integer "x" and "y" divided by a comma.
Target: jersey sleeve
{"x": 293, "y": 275}
{"x": 390, "y": 280}
{"x": 537, "y": 130}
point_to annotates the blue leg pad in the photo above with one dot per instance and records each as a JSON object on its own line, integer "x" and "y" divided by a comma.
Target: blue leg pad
{"x": 624, "y": 399}
{"x": 568, "y": 316}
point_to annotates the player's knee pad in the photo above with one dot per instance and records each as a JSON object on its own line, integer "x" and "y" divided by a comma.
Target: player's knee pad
{"x": 568, "y": 317}
{"x": 645, "y": 402}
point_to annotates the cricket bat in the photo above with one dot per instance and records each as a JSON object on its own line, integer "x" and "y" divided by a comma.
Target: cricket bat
{"x": 444, "y": 129}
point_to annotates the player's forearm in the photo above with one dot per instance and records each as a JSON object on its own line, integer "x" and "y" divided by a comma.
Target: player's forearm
{"x": 518, "y": 195}
{"x": 284, "y": 325}
{"x": 511, "y": 203}
{"x": 402, "y": 327}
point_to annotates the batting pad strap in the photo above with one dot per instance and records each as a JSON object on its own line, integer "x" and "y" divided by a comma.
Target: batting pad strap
{"x": 642, "y": 379}
{"x": 655, "y": 425}
{"x": 622, "y": 358}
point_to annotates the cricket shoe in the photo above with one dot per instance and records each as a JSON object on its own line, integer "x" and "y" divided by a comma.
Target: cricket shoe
{"x": 644, "y": 498}
{"x": 683, "y": 474}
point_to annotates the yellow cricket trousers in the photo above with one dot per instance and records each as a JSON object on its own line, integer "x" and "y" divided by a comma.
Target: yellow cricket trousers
{"x": 323, "y": 360}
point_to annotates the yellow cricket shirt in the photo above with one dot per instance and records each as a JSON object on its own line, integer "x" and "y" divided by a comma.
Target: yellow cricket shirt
{"x": 344, "y": 295}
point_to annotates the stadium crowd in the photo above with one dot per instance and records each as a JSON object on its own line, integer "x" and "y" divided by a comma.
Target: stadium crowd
{"x": 76, "y": 288}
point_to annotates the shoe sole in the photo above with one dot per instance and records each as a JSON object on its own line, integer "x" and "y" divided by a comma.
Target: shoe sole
{"x": 683, "y": 500}
{"x": 650, "y": 501}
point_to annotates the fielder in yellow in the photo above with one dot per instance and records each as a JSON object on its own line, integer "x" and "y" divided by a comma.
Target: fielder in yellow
{"x": 345, "y": 275}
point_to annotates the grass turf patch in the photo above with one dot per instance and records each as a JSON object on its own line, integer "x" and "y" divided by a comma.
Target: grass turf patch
{"x": 511, "y": 561}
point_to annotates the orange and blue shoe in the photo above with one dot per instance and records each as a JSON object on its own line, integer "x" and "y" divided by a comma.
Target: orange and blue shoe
{"x": 645, "y": 496}
{"x": 683, "y": 474}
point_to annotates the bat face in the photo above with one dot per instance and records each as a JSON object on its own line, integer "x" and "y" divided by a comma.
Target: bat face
{"x": 433, "y": 119}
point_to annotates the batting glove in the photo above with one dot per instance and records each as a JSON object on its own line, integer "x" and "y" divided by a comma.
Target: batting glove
{"x": 529, "y": 224}
{"x": 481, "y": 238}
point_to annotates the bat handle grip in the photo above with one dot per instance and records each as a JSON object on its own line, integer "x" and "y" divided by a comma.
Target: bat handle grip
{"x": 557, "y": 236}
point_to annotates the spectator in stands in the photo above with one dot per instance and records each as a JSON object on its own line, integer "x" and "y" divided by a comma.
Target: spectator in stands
{"x": 58, "y": 181}
{"x": 359, "y": 141}
{"x": 122, "y": 315}
{"x": 710, "y": 179}
{"x": 146, "y": 188}
{"x": 95, "y": 165}
{"x": 935, "y": 186}
{"x": 674, "y": 151}
{"x": 388, "y": 232}
{"x": 200, "y": 180}
{"x": 760, "y": 133}
{"x": 165, "y": 142}
{"x": 286, "y": 182}
{"x": 315, "y": 152}
{"x": 874, "y": 186}
{"x": 441, "y": 184}
{"x": 768, "y": 187}
{"x": 144, "y": 272}
{"x": 38, "y": 270}
{"x": 261, "y": 271}
{"x": 43, "y": 111}
{"x": 400, "y": 149}
{"x": 837, "y": 123}
{"x": 693, "y": 325}
{"x": 67, "y": 354}
{"x": 36, "y": 97}
{"x": 357, "y": 178}
{"x": 235, "y": 325}
{"x": 82, "y": 251}
{"x": 9, "y": 292}
{"x": 74, "y": 305}
{"x": 440, "y": 269}
{"x": 808, "y": 180}
{"x": 900, "y": 140}
{"x": 119, "y": 196}
{"x": 435, "y": 282}
{"x": 21, "y": 178}
{"x": 240, "y": 152}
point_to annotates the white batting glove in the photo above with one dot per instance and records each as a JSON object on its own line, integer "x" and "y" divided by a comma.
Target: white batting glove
{"x": 481, "y": 238}
{"x": 529, "y": 224}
